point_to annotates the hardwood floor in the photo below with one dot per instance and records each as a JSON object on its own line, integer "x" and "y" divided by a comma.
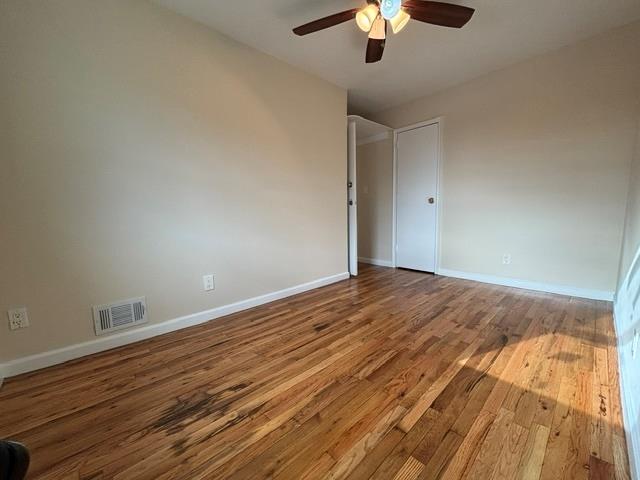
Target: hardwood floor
{"x": 393, "y": 375}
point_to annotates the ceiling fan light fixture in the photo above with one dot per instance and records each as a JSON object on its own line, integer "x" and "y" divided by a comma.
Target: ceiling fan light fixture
{"x": 399, "y": 21}
{"x": 366, "y": 17}
{"x": 378, "y": 30}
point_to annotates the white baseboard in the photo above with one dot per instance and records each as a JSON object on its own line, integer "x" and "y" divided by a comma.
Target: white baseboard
{"x": 375, "y": 261}
{"x": 61, "y": 355}
{"x": 527, "y": 285}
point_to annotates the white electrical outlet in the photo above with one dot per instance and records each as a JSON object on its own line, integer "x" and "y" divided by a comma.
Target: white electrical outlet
{"x": 506, "y": 259}
{"x": 634, "y": 345}
{"x": 208, "y": 283}
{"x": 18, "y": 318}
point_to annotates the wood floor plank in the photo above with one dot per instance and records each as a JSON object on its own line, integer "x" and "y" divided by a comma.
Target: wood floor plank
{"x": 427, "y": 399}
{"x": 621, "y": 462}
{"x": 359, "y": 450}
{"x": 405, "y": 446}
{"x": 410, "y": 470}
{"x": 466, "y": 454}
{"x": 533, "y": 455}
{"x": 442, "y": 456}
{"x": 511, "y": 453}
{"x": 393, "y": 374}
{"x": 487, "y": 459}
{"x": 601, "y": 470}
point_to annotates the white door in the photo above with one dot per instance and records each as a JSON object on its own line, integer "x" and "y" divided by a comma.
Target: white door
{"x": 352, "y": 198}
{"x": 416, "y": 198}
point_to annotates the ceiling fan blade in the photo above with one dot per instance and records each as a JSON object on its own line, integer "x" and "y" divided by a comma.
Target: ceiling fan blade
{"x": 326, "y": 22}
{"x": 438, "y": 13}
{"x": 375, "y": 49}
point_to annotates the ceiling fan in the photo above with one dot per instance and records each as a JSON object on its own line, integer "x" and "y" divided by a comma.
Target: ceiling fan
{"x": 374, "y": 18}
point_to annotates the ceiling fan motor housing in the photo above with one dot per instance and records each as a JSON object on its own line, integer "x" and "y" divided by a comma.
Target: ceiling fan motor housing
{"x": 389, "y": 8}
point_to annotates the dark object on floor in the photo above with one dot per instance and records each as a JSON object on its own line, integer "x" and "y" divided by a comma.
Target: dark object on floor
{"x": 14, "y": 461}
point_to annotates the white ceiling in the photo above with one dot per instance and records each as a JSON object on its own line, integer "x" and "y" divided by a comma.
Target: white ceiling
{"x": 420, "y": 60}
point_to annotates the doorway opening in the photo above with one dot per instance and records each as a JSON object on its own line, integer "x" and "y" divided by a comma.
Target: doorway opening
{"x": 393, "y": 195}
{"x": 370, "y": 193}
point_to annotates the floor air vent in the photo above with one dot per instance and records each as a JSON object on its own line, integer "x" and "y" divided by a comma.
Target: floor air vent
{"x": 119, "y": 315}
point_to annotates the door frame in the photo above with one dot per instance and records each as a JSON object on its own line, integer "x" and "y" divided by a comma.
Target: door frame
{"x": 352, "y": 199}
{"x": 394, "y": 242}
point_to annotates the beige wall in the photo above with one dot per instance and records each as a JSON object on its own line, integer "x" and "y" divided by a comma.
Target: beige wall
{"x": 375, "y": 199}
{"x": 631, "y": 239}
{"x": 536, "y": 162}
{"x": 141, "y": 151}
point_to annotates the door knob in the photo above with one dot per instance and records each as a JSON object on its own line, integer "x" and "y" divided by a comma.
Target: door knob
{"x": 431, "y": 200}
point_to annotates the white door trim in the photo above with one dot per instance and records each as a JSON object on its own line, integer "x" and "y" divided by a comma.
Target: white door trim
{"x": 439, "y": 121}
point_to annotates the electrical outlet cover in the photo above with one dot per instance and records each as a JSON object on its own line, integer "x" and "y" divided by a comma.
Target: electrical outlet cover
{"x": 18, "y": 318}
{"x": 208, "y": 283}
